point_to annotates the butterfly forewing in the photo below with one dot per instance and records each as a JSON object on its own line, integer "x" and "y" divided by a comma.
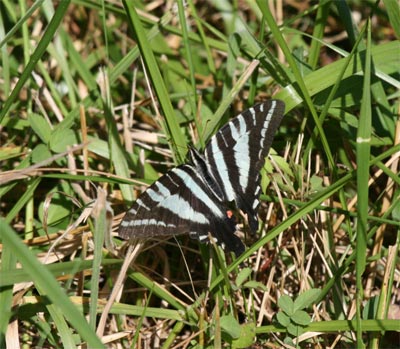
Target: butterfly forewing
{"x": 237, "y": 151}
{"x": 194, "y": 198}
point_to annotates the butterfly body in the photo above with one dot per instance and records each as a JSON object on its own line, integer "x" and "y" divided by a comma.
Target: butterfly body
{"x": 195, "y": 197}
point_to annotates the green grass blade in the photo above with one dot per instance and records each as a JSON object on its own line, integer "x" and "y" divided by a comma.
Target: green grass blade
{"x": 318, "y": 33}
{"x": 345, "y": 14}
{"x": 19, "y": 23}
{"x": 320, "y": 197}
{"x": 213, "y": 124}
{"x": 101, "y": 228}
{"x": 157, "y": 289}
{"x": 377, "y": 88}
{"x": 5, "y": 73}
{"x": 393, "y": 11}
{"x": 363, "y": 155}
{"x": 204, "y": 38}
{"x": 36, "y": 55}
{"x": 334, "y": 89}
{"x": 341, "y": 325}
{"x": 63, "y": 330}
{"x": 177, "y": 140}
{"x": 385, "y": 63}
{"x": 48, "y": 285}
{"x": 28, "y": 194}
{"x": 186, "y": 43}
{"x": 116, "y": 151}
{"x": 16, "y": 276}
{"x": 8, "y": 260}
{"x": 302, "y": 87}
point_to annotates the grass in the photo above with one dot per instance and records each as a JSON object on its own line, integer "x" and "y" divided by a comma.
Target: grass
{"x": 100, "y": 98}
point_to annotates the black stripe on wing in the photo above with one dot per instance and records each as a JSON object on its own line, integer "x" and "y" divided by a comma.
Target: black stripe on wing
{"x": 180, "y": 202}
{"x": 237, "y": 153}
{"x": 192, "y": 199}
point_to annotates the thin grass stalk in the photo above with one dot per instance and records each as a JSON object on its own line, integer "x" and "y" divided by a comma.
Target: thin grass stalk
{"x": 302, "y": 88}
{"x": 48, "y": 285}
{"x": 117, "y": 154}
{"x": 178, "y": 327}
{"x": 20, "y": 22}
{"x": 340, "y": 76}
{"x": 318, "y": 33}
{"x": 377, "y": 89}
{"x": 203, "y": 37}
{"x": 36, "y": 55}
{"x": 363, "y": 149}
{"x": 177, "y": 141}
{"x": 22, "y": 201}
{"x": 8, "y": 261}
{"x": 63, "y": 329}
{"x": 101, "y": 229}
{"x": 188, "y": 51}
{"x": 6, "y": 74}
{"x": 227, "y": 101}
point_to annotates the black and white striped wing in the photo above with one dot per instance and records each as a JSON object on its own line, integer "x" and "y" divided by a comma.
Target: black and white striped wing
{"x": 194, "y": 198}
{"x": 236, "y": 154}
{"x": 180, "y": 202}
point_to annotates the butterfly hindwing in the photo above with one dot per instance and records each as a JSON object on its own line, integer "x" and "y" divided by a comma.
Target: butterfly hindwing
{"x": 180, "y": 202}
{"x": 193, "y": 198}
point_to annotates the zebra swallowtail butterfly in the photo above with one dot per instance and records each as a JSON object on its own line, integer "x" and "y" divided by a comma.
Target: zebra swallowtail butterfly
{"x": 195, "y": 197}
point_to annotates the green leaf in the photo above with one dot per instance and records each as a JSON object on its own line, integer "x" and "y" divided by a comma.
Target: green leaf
{"x": 99, "y": 147}
{"x": 283, "y": 319}
{"x": 243, "y": 276}
{"x": 40, "y": 153}
{"x": 295, "y": 330}
{"x": 40, "y": 126}
{"x": 316, "y": 184}
{"x": 289, "y": 341}
{"x": 230, "y": 326}
{"x": 59, "y": 209}
{"x": 246, "y": 336}
{"x": 286, "y": 304}
{"x": 396, "y": 210}
{"x": 306, "y": 299}
{"x": 61, "y": 138}
{"x": 255, "y": 285}
{"x": 300, "y": 317}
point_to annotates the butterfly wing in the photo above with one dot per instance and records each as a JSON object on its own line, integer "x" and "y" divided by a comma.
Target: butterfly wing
{"x": 236, "y": 154}
{"x": 180, "y": 202}
{"x": 192, "y": 198}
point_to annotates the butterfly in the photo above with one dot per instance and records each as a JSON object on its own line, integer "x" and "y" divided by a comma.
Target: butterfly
{"x": 196, "y": 197}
